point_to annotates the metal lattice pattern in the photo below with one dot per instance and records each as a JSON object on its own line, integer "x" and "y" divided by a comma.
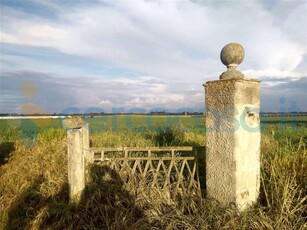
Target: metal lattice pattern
{"x": 161, "y": 166}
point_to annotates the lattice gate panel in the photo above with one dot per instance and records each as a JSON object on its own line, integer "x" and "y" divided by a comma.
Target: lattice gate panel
{"x": 160, "y": 167}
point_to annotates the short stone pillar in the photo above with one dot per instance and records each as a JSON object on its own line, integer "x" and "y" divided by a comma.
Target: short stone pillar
{"x": 233, "y": 134}
{"x": 77, "y": 153}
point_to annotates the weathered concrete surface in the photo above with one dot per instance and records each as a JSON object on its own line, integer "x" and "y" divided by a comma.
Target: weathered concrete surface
{"x": 79, "y": 156}
{"x": 72, "y": 123}
{"x": 233, "y": 141}
{"x": 232, "y": 55}
{"x": 76, "y": 163}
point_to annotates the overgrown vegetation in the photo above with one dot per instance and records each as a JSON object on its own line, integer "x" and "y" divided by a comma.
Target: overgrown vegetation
{"x": 33, "y": 184}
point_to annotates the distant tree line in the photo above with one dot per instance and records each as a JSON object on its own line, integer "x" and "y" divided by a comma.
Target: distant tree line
{"x": 263, "y": 114}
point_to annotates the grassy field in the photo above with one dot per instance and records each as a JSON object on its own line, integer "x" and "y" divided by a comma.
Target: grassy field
{"x": 33, "y": 178}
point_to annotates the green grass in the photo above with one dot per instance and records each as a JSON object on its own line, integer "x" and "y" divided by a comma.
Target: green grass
{"x": 135, "y": 123}
{"x": 33, "y": 183}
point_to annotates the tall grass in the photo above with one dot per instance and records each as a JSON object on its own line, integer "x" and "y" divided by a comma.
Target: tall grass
{"x": 33, "y": 187}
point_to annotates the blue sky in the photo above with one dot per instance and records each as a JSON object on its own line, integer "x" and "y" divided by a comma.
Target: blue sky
{"x": 122, "y": 55}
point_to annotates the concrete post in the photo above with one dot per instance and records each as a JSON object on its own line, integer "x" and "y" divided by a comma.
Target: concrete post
{"x": 77, "y": 144}
{"x": 233, "y": 134}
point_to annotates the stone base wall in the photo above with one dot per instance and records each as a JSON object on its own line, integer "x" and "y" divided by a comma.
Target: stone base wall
{"x": 233, "y": 141}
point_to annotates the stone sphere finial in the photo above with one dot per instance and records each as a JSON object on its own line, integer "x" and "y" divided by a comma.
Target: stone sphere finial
{"x": 232, "y": 55}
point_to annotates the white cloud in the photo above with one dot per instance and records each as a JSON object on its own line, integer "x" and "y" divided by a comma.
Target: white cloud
{"x": 165, "y": 39}
{"x": 105, "y": 102}
{"x": 262, "y": 74}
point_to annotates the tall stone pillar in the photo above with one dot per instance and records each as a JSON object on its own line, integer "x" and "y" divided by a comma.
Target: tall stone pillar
{"x": 233, "y": 133}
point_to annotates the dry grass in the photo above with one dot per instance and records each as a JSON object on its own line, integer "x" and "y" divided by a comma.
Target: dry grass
{"x": 33, "y": 189}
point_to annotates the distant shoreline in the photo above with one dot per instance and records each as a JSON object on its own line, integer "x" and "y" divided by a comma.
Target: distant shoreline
{"x": 30, "y": 117}
{"x": 269, "y": 114}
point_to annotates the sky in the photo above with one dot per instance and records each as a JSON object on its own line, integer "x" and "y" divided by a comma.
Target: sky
{"x": 142, "y": 55}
